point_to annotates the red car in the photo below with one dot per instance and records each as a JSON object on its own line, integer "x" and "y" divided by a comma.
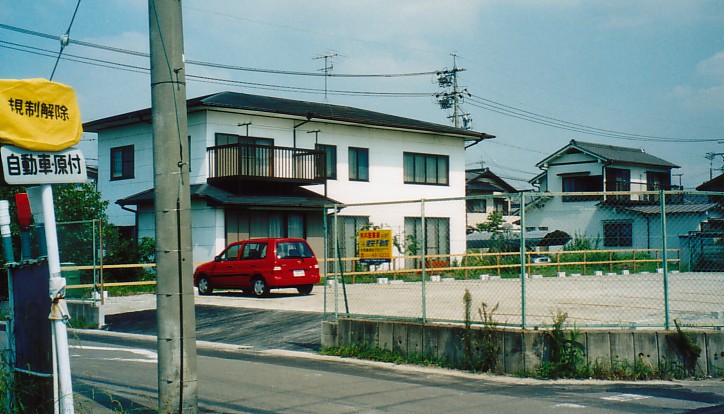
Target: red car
{"x": 257, "y": 265}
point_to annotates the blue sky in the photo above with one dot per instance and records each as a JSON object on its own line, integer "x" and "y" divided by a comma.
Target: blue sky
{"x": 649, "y": 68}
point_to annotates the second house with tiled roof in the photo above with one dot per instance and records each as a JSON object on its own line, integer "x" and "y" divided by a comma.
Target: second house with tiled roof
{"x": 610, "y": 195}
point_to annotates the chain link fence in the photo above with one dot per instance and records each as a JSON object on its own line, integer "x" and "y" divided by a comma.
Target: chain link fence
{"x": 622, "y": 259}
{"x": 80, "y": 244}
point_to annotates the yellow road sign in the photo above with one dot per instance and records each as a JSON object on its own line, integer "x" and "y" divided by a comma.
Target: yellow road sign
{"x": 38, "y": 115}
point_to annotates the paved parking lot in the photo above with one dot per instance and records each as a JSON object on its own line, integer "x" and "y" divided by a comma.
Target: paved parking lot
{"x": 622, "y": 300}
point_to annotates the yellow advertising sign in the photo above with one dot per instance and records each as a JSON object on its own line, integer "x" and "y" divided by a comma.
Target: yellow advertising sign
{"x": 38, "y": 115}
{"x": 375, "y": 246}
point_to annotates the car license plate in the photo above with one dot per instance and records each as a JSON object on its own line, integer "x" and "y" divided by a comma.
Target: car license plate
{"x": 298, "y": 273}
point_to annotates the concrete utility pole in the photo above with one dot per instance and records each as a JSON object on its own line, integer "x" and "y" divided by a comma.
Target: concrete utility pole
{"x": 175, "y": 321}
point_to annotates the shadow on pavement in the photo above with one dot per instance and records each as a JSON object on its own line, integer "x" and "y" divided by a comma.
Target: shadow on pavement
{"x": 257, "y": 328}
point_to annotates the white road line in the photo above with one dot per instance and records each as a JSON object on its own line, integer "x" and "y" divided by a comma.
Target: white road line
{"x": 625, "y": 397}
{"x": 150, "y": 355}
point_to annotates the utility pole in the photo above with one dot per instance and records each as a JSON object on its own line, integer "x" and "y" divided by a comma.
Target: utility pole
{"x": 710, "y": 156}
{"x": 327, "y": 69}
{"x": 452, "y": 97}
{"x": 175, "y": 316}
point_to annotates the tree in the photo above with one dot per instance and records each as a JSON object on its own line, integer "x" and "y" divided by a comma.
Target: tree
{"x": 495, "y": 225}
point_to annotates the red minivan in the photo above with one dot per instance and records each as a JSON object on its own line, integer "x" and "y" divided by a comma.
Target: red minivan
{"x": 257, "y": 265}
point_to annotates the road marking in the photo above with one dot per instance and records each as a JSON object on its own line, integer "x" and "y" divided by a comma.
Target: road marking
{"x": 148, "y": 356}
{"x": 569, "y": 405}
{"x": 625, "y": 397}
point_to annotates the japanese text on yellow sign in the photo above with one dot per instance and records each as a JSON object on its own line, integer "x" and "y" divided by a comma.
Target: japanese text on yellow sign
{"x": 38, "y": 115}
{"x": 375, "y": 246}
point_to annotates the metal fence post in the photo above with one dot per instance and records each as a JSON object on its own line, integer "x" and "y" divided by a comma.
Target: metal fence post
{"x": 664, "y": 258}
{"x": 325, "y": 255}
{"x": 336, "y": 266}
{"x": 424, "y": 250}
{"x": 522, "y": 260}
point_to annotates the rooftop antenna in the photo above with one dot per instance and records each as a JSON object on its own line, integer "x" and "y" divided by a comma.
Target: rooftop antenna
{"x": 328, "y": 66}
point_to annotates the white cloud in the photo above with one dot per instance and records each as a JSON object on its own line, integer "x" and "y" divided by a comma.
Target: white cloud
{"x": 706, "y": 91}
{"x": 712, "y": 68}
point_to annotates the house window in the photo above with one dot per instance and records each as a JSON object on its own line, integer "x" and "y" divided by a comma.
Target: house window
{"x": 477, "y": 205}
{"x": 437, "y": 235}
{"x": 656, "y": 181}
{"x": 425, "y": 168}
{"x": 347, "y": 228}
{"x": 331, "y": 159}
{"x": 618, "y": 179}
{"x": 287, "y": 225}
{"x": 581, "y": 184}
{"x": 122, "y": 162}
{"x": 500, "y": 206}
{"x": 618, "y": 233}
{"x": 359, "y": 164}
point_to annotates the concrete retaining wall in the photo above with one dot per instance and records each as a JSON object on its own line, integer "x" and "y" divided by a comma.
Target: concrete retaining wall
{"x": 87, "y": 314}
{"x": 524, "y": 350}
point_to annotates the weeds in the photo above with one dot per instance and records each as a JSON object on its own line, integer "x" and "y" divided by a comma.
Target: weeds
{"x": 480, "y": 351}
{"x": 373, "y": 353}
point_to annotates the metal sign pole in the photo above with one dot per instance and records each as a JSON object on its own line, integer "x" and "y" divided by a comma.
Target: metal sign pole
{"x": 58, "y": 312}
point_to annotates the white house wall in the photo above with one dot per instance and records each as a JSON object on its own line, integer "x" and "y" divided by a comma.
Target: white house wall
{"x": 386, "y": 148}
{"x": 141, "y": 137}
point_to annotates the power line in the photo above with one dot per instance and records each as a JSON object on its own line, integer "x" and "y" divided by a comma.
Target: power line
{"x": 220, "y": 65}
{"x": 518, "y": 113}
{"x": 64, "y": 39}
{"x": 207, "y": 79}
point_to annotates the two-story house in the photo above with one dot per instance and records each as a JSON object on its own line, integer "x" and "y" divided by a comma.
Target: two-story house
{"x": 488, "y": 194}
{"x": 619, "y": 221}
{"x": 263, "y": 166}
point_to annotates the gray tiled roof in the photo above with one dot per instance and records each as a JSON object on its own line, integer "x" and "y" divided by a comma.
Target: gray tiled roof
{"x": 278, "y": 198}
{"x": 612, "y": 153}
{"x": 302, "y": 109}
{"x": 622, "y": 154}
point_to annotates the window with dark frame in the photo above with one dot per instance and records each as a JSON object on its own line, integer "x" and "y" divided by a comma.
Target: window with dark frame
{"x": 359, "y": 164}
{"x": 477, "y": 205}
{"x": 425, "y": 169}
{"x": 581, "y": 184}
{"x": 122, "y": 163}
{"x": 331, "y": 159}
{"x": 618, "y": 233}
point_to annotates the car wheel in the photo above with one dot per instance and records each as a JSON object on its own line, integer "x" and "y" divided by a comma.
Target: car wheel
{"x": 204, "y": 286}
{"x": 259, "y": 288}
{"x": 305, "y": 289}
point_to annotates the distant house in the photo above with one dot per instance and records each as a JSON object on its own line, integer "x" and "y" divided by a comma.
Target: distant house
{"x": 619, "y": 220}
{"x": 488, "y": 193}
{"x": 715, "y": 184}
{"x": 263, "y": 166}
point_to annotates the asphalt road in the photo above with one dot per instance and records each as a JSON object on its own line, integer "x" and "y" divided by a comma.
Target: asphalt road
{"x": 253, "y": 328}
{"x": 117, "y": 373}
{"x": 248, "y": 363}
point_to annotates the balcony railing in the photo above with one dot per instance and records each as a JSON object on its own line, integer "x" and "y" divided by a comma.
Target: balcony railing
{"x": 264, "y": 162}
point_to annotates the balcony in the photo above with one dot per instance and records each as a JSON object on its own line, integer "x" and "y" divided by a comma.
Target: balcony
{"x": 263, "y": 163}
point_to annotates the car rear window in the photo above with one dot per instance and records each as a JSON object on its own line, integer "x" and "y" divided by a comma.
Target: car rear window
{"x": 293, "y": 250}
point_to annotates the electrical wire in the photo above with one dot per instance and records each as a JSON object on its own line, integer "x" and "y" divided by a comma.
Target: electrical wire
{"x": 518, "y": 113}
{"x": 223, "y": 66}
{"x": 207, "y": 79}
{"x": 65, "y": 39}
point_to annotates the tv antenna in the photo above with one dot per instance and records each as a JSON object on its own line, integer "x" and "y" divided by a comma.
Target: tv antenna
{"x": 328, "y": 57}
